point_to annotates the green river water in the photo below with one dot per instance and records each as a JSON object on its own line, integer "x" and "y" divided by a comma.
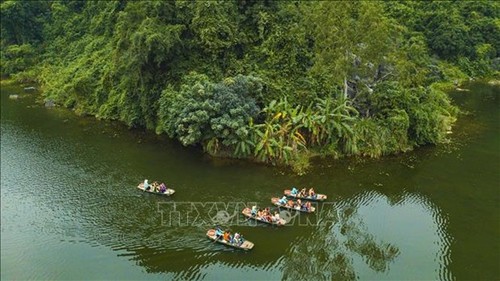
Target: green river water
{"x": 70, "y": 208}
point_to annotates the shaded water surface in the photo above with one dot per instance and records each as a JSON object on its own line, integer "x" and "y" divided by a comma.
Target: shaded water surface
{"x": 70, "y": 209}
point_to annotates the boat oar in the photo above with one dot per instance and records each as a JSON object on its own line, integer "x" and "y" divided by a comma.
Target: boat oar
{"x": 216, "y": 238}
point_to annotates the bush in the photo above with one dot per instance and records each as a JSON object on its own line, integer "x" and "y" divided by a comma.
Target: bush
{"x": 17, "y": 58}
{"x": 203, "y": 110}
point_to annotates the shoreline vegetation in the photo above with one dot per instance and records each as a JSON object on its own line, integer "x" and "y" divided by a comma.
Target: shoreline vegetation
{"x": 272, "y": 82}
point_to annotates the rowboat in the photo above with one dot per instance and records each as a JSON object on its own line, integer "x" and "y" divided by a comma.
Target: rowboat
{"x": 247, "y": 212}
{"x": 276, "y": 202}
{"x": 167, "y": 193}
{"x": 246, "y": 245}
{"x": 318, "y": 197}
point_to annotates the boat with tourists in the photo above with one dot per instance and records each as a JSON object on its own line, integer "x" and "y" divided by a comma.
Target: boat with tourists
{"x": 263, "y": 216}
{"x": 304, "y": 194}
{"x": 156, "y": 188}
{"x": 298, "y": 205}
{"x": 225, "y": 237}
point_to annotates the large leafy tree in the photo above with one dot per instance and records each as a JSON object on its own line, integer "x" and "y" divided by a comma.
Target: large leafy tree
{"x": 204, "y": 111}
{"x": 351, "y": 40}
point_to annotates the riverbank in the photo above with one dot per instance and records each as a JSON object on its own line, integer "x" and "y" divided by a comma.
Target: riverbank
{"x": 292, "y": 136}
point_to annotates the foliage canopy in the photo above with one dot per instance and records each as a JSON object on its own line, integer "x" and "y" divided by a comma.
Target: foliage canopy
{"x": 270, "y": 80}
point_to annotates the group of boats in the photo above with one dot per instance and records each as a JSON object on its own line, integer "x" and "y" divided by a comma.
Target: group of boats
{"x": 302, "y": 203}
{"x": 293, "y": 199}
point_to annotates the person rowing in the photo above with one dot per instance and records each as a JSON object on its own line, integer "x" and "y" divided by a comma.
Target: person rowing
{"x": 218, "y": 233}
{"x": 146, "y": 185}
{"x": 254, "y": 210}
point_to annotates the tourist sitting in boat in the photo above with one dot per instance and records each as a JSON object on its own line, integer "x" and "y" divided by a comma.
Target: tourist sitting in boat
{"x": 290, "y": 203}
{"x": 312, "y": 193}
{"x": 163, "y": 188}
{"x": 299, "y": 204}
{"x": 227, "y": 236}
{"x": 303, "y": 207}
{"x": 308, "y": 206}
{"x": 283, "y": 200}
{"x": 236, "y": 238}
{"x": 146, "y": 185}
{"x": 294, "y": 191}
{"x": 268, "y": 217}
{"x": 276, "y": 216}
{"x": 303, "y": 192}
{"x": 155, "y": 186}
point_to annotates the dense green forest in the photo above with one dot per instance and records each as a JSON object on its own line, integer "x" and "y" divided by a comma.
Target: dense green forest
{"x": 275, "y": 81}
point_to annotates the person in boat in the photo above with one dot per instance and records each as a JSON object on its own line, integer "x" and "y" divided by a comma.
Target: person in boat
{"x": 254, "y": 210}
{"x": 298, "y": 206}
{"x": 302, "y": 207}
{"x": 312, "y": 194}
{"x": 259, "y": 213}
{"x": 227, "y": 236}
{"x": 308, "y": 206}
{"x": 163, "y": 188}
{"x": 290, "y": 203}
{"x": 218, "y": 233}
{"x": 303, "y": 192}
{"x": 276, "y": 216}
{"x": 236, "y": 238}
{"x": 268, "y": 217}
{"x": 155, "y": 186}
{"x": 283, "y": 200}
{"x": 146, "y": 185}
{"x": 294, "y": 191}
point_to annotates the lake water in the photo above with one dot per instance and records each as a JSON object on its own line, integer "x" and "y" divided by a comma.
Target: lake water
{"x": 70, "y": 208}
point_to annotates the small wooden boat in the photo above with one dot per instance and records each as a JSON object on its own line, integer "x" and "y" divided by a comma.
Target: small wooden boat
{"x": 150, "y": 190}
{"x": 246, "y": 245}
{"x": 318, "y": 197}
{"x": 276, "y": 202}
{"x": 247, "y": 212}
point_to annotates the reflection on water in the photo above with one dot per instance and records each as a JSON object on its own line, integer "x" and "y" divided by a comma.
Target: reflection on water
{"x": 70, "y": 209}
{"x": 335, "y": 250}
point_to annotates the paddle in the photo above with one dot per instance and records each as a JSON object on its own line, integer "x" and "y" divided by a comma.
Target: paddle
{"x": 217, "y": 238}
